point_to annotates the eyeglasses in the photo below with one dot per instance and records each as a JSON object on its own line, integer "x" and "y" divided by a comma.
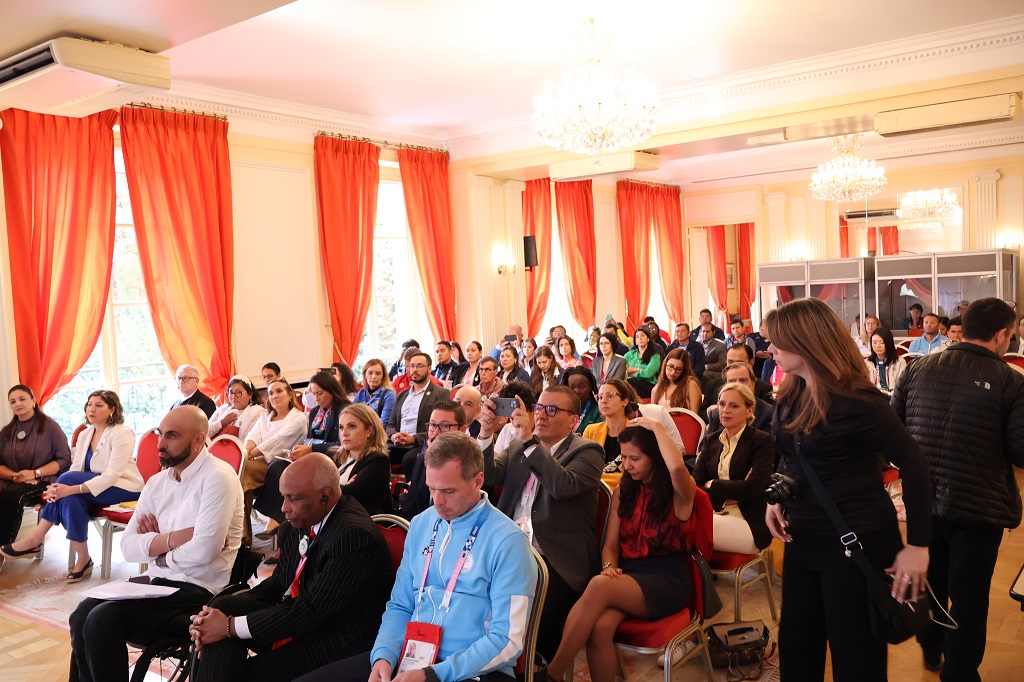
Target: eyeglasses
{"x": 443, "y": 427}
{"x": 488, "y": 369}
{"x": 418, "y": 366}
{"x": 182, "y": 380}
{"x": 237, "y": 394}
{"x": 268, "y": 377}
{"x": 551, "y": 410}
{"x": 602, "y": 397}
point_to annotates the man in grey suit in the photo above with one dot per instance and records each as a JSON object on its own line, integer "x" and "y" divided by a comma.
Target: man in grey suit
{"x": 550, "y": 477}
{"x": 714, "y": 352}
{"x": 407, "y": 427}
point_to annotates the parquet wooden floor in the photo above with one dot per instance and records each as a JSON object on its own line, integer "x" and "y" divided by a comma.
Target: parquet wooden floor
{"x": 30, "y": 652}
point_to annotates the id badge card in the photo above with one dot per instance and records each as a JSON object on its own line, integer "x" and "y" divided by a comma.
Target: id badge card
{"x": 422, "y": 641}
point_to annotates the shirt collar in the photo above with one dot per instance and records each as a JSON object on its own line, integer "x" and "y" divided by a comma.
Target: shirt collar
{"x": 192, "y": 469}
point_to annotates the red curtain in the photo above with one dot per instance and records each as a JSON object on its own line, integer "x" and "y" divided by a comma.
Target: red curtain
{"x": 716, "y": 269}
{"x": 745, "y": 266}
{"x": 427, "y": 204}
{"x": 831, "y": 292}
{"x": 574, "y": 203}
{"x": 890, "y": 240}
{"x": 844, "y": 239}
{"x": 537, "y": 223}
{"x": 668, "y": 221}
{"x": 785, "y": 293}
{"x": 923, "y": 287}
{"x": 179, "y": 180}
{"x": 873, "y": 241}
{"x": 347, "y": 175}
{"x": 58, "y": 176}
{"x": 636, "y": 204}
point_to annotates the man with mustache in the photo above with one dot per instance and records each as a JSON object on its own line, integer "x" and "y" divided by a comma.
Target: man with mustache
{"x": 187, "y": 527}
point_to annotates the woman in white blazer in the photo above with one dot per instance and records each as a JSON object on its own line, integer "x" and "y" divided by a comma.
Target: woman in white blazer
{"x": 102, "y": 473}
{"x": 607, "y": 365}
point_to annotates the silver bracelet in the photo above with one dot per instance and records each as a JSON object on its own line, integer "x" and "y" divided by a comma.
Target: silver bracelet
{"x": 168, "y": 541}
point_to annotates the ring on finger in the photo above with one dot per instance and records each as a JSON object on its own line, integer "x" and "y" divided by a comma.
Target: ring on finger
{"x": 906, "y": 578}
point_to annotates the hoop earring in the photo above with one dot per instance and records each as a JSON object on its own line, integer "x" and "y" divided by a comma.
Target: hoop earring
{"x": 110, "y": 419}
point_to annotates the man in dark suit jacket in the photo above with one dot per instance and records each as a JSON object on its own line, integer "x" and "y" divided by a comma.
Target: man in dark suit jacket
{"x": 550, "y": 477}
{"x": 335, "y": 578}
{"x": 187, "y": 377}
{"x": 685, "y": 340}
{"x": 407, "y": 427}
{"x": 739, "y": 354}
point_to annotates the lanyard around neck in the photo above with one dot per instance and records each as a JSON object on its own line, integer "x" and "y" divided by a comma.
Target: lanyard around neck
{"x": 450, "y": 589}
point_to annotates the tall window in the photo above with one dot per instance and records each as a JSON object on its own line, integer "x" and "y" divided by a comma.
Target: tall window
{"x": 397, "y": 309}
{"x": 127, "y": 357}
{"x": 558, "y": 311}
{"x": 656, "y": 307}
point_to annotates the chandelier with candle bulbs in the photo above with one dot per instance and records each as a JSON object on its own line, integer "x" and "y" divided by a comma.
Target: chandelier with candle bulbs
{"x": 928, "y": 204}
{"x": 847, "y": 176}
{"x": 595, "y": 109}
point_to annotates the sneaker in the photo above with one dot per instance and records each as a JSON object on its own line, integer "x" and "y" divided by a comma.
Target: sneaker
{"x": 678, "y": 653}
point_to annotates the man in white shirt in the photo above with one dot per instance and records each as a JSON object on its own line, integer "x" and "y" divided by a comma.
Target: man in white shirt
{"x": 187, "y": 527}
{"x": 932, "y": 339}
{"x": 550, "y": 477}
{"x": 187, "y": 377}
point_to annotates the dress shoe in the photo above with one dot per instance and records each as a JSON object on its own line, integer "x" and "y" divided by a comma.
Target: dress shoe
{"x": 79, "y": 576}
{"x": 12, "y": 553}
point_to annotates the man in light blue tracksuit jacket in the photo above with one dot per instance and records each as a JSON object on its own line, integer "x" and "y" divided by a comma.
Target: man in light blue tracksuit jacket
{"x": 484, "y": 630}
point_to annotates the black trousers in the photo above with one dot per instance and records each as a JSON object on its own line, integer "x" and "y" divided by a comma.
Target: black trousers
{"x": 357, "y": 669}
{"x": 559, "y": 601}
{"x": 644, "y": 389}
{"x": 13, "y": 497}
{"x": 268, "y": 499}
{"x": 962, "y": 558}
{"x": 824, "y": 603}
{"x": 227, "y": 659}
{"x": 101, "y": 629}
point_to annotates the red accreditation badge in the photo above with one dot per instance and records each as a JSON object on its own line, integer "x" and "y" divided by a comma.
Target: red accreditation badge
{"x": 422, "y": 642}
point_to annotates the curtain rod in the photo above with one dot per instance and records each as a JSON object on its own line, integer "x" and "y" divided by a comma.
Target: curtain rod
{"x": 146, "y": 105}
{"x": 380, "y": 143}
{"x": 652, "y": 184}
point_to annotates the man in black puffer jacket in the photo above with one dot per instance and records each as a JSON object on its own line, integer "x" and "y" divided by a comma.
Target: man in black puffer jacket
{"x": 965, "y": 406}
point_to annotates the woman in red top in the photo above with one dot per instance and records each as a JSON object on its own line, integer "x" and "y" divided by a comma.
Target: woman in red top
{"x": 643, "y": 572}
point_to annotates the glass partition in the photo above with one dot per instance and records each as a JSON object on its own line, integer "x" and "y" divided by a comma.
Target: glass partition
{"x": 772, "y": 296}
{"x": 843, "y": 298}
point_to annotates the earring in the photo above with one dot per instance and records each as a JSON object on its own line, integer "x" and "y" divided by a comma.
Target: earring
{"x": 110, "y": 419}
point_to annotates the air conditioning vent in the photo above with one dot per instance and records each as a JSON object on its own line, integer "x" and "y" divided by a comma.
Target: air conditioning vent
{"x": 958, "y": 114}
{"x": 861, "y": 215}
{"x": 622, "y": 162}
{"x": 78, "y": 77}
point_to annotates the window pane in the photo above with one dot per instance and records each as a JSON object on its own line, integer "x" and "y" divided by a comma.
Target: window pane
{"x": 145, "y": 404}
{"x": 138, "y": 354}
{"x": 68, "y": 407}
{"x": 126, "y": 281}
{"x": 123, "y": 213}
{"x": 391, "y": 215}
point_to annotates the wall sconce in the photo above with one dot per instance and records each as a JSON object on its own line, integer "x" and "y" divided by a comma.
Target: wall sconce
{"x": 505, "y": 260}
{"x": 507, "y": 269}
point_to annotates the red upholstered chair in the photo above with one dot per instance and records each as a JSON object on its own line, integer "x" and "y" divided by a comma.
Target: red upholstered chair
{"x": 910, "y": 357}
{"x": 691, "y": 428}
{"x": 733, "y": 562}
{"x": 229, "y": 430}
{"x": 395, "y": 529}
{"x": 903, "y": 347}
{"x": 524, "y": 664}
{"x": 588, "y": 360}
{"x": 662, "y": 636}
{"x": 228, "y": 448}
{"x": 76, "y": 434}
{"x": 890, "y": 476}
{"x": 1014, "y": 360}
{"x": 455, "y": 389}
{"x": 148, "y": 462}
{"x": 604, "y": 508}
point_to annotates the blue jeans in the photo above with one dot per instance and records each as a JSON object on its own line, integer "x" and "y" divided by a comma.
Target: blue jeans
{"x": 72, "y": 511}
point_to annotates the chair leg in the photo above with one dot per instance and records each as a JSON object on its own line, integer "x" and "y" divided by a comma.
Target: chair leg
{"x": 705, "y": 654}
{"x": 108, "y": 546}
{"x": 768, "y": 588}
{"x": 42, "y": 546}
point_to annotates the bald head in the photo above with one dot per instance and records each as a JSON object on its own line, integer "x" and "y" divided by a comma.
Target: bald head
{"x": 182, "y": 436}
{"x": 310, "y": 487}
{"x": 469, "y": 398}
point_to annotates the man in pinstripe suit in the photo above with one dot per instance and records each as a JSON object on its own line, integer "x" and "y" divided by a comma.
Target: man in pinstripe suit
{"x": 323, "y": 602}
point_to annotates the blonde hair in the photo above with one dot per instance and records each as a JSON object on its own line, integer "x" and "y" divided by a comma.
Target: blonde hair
{"x": 865, "y": 338}
{"x": 745, "y": 394}
{"x": 385, "y": 381}
{"x": 378, "y": 441}
{"x": 293, "y": 401}
{"x": 811, "y": 329}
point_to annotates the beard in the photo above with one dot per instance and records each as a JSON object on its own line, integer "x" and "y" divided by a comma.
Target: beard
{"x": 167, "y": 460}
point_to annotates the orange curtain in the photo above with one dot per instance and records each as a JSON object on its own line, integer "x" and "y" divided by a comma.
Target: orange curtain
{"x": 425, "y": 187}
{"x": 179, "y": 180}
{"x": 745, "y": 266}
{"x": 574, "y": 203}
{"x": 844, "y": 239}
{"x": 716, "y": 269}
{"x": 636, "y": 213}
{"x": 873, "y": 242}
{"x": 60, "y": 200}
{"x": 537, "y": 223}
{"x": 668, "y": 223}
{"x": 890, "y": 240}
{"x": 347, "y": 175}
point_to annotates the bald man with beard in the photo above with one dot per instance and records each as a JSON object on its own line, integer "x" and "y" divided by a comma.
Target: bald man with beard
{"x": 187, "y": 527}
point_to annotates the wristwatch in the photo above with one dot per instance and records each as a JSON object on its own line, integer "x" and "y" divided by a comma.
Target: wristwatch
{"x": 39, "y": 473}
{"x": 530, "y": 443}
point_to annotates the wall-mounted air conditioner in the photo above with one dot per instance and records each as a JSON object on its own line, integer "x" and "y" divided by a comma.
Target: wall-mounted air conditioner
{"x": 623, "y": 162}
{"x": 77, "y": 77}
{"x": 965, "y": 112}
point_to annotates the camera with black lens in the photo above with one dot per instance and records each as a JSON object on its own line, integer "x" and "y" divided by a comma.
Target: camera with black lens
{"x": 781, "y": 489}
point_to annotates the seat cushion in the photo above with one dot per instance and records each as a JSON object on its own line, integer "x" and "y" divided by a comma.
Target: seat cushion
{"x": 116, "y": 516}
{"x": 652, "y": 634}
{"x": 728, "y": 561}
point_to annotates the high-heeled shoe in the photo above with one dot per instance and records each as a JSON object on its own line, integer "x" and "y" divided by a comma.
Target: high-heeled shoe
{"x": 10, "y": 552}
{"x": 79, "y": 576}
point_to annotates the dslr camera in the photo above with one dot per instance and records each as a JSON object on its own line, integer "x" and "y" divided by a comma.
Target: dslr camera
{"x": 781, "y": 489}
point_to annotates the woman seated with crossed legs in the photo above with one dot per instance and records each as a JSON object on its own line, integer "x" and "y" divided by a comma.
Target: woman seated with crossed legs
{"x": 644, "y": 572}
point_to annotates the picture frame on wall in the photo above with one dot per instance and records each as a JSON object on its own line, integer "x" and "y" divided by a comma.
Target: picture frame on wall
{"x": 730, "y": 275}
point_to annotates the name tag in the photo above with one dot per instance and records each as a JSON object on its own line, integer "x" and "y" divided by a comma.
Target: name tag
{"x": 422, "y": 641}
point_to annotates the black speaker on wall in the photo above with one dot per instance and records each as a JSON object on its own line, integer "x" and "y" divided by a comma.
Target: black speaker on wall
{"x": 530, "y": 252}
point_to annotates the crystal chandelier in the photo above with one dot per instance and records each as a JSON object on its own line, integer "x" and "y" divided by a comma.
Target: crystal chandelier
{"x": 930, "y": 204}
{"x": 847, "y": 177}
{"x": 595, "y": 109}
